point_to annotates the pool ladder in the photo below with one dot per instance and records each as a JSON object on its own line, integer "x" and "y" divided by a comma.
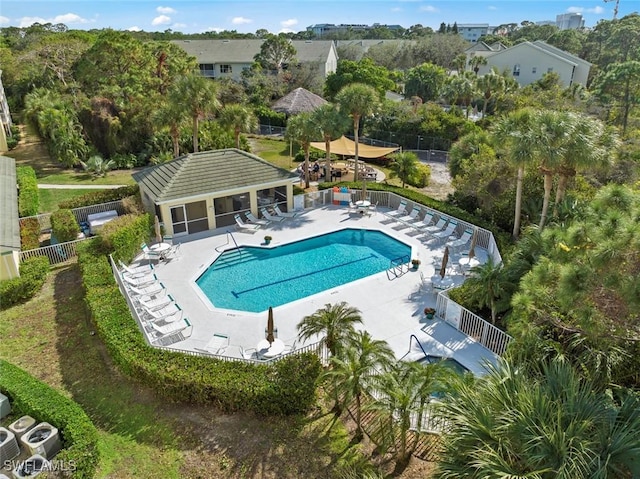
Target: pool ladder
{"x": 398, "y": 267}
{"x": 230, "y": 235}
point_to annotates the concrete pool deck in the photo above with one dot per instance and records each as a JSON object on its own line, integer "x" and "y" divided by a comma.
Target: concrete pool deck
{"x": 392, "y": 309}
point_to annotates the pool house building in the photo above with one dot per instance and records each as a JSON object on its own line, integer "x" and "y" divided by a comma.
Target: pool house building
{"x": 203, "y": 191}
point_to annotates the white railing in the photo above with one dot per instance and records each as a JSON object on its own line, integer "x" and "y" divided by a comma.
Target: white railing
{"x": 483, "y": 332}
{"x": 56, "y": 253}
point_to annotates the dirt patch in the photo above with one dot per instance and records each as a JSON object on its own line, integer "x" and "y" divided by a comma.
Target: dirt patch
{"x": 439, "y": 186}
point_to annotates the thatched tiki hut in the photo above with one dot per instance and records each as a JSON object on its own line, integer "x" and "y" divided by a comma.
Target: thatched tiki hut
{"x": 298, "y": 101}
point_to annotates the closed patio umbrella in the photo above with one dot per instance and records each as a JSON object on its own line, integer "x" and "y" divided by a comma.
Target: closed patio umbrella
{"x": 158, "y": 231}
{"x": 472, "y": 248}
{"x": 445, "y": 260}
{"x": 270, "y": 328}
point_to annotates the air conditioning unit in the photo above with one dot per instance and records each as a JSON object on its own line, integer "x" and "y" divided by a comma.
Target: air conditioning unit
{"x": 9, "y": 447}
{"x": 21, "y": 426}
{"x": 32, "y": 467}
{"x": 5, "y": 407}
{"x": 42, "y": 439}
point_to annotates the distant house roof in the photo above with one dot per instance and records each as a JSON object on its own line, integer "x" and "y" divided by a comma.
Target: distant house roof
{"x": 546, "y": 49}
{"x": 298, "y": 101}
{"x": 10, "y": 223}
{"x": 243, "y": 51}
{"x": 208, "y": 172}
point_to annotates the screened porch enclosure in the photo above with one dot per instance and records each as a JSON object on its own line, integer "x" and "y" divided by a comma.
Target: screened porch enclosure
{"x": 189, "y": 218}
{"x": 227, "y": 206}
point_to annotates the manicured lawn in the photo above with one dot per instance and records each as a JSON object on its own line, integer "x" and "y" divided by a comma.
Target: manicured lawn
{"x": 140, "y": 434}
{"x": 50, "y": 198}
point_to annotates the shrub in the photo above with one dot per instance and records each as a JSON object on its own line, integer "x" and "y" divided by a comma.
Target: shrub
{"x": 79, "y": 436}
{"x": 28, "y": 199}
{"x": 33, "y": 273}
{"x": 124, "y": 235}
{"x": 98, "y": 197}
{"x": 64, "y": 226}
{"x": 287, "y": 387}
{"x": 29, "y": 234}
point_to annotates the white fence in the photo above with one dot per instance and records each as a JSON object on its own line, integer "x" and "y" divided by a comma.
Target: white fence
{"x": 56, "y": 253}
{"x": 471, "y": 324}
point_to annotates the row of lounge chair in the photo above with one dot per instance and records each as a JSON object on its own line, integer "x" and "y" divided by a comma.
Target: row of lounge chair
{"x": 253, "y": 224}
{"x": 441, "y": 230}
{"x": 160, "y": 314}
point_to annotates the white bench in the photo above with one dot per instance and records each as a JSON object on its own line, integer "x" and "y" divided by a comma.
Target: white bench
{"x": 97, "y": 220}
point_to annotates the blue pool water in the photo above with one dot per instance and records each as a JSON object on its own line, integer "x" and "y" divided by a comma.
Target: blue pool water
{"x": 446, "y": 362}
{"x": 253, "y": 278}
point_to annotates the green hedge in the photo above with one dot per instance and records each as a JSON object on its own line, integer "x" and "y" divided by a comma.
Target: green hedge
{"x": 29, "y": 234}
{"x": 28, "y": 199}
{"x": 124, "y": 235}
{"x": 32, "y": 397}
{"x": 503, "y": 239}
{"x": 64, "y": 225}
{"x": 33, "y": 273}
{"x": 98, "y": 197}
{"x": 287, "y": 387}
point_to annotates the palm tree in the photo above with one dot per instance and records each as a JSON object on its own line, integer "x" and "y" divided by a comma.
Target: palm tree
{"x": 353, "y": 371}
{"x": 552, "y": 129}
{"x": 238, "y": 118}
{"x": 490, "y": 85}
{"x": 197, "y": 95}
{"x": 303, "y": 129}
{"x": 589, "y": 144}
{"x": 515, "y": 134}
{"x": 404, "y": 165}
{"x": 332, "y": 124}
{"x": 335, "y": 321}
{"x": 168, "y": 115}
{"x": 357, "y": 100}
{"x": 487, "y": 285}
{"x": 476, "y": 62}
{"x": 546, "y": 423}
{"x": 406, "y": 390}
{"x": 460, "y": 88}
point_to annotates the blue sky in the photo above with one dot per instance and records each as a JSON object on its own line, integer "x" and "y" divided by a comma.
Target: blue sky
{"x": 190, "y": 16}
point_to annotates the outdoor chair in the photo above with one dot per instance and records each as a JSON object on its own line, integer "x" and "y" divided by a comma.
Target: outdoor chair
{"x": 444, "y": 234}
{"x": 173, "y": 253}
{"x": 151, "y": 289}
{"x": 248, "y": 353}
{"x": 170, "y": 328}
{"x": 135, "y": 272}
{"x": 270, "y": 217}
{"x": 155, "y": 302}
{"x": 462, "y": 241}
{"x": 241, "y": 225}
{"x": 425, "y": 222}
{"x": 284, "y": 214}
{"x": 353, "y": 208}
{"x": 401, "y": 211}
{"x": 256, "y": 221}
{"x": 425, "y": 284}
{"x": 167, "y": 239}
{"x": 150, "y": 255}
{"x": 218, "y": 344}
{"x": 289, "y": 347}
{"x": 171, "y": 310}
{"x": 411, "y": 217}
{"x": 429, "y": 230}
{"x": 141, "y": 281}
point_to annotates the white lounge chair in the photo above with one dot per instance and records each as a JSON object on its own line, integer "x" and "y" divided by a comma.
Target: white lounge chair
{"x": 167, "y": 311}
{"x": 153, "y": 288}
{"x": 442, "y": 222}
{"x": 244, "y": 226}
{"x": 155, "y": 302}
{"x": 256, "y": 221}
{"x": 401, "y": 211}
{"x": 137, "y": 271}
{"x": 270, "y": 217}
{"x": 141, "y": 281}
{"x": 448, "y": 231}
{"x": 170, "y": 318}
{"x": 463, "y": 240}
{"x": 170, "y": 328}
{"x": 284, "y": 214}
{"x": 410, "y": 218}
{"x": 425, "y": 222}
{"x": 218, "y": 344}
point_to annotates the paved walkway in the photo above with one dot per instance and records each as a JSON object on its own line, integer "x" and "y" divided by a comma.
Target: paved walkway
{"x": 46, "y": 186}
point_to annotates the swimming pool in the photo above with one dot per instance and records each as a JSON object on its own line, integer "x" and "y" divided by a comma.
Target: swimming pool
{"x": 449, "y": 363}
{"x": 253, "y": 278}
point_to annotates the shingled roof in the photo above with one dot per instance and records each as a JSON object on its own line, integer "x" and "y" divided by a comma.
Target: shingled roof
{"x": 298, "y": 101}
{"x": 208, "y": 172}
